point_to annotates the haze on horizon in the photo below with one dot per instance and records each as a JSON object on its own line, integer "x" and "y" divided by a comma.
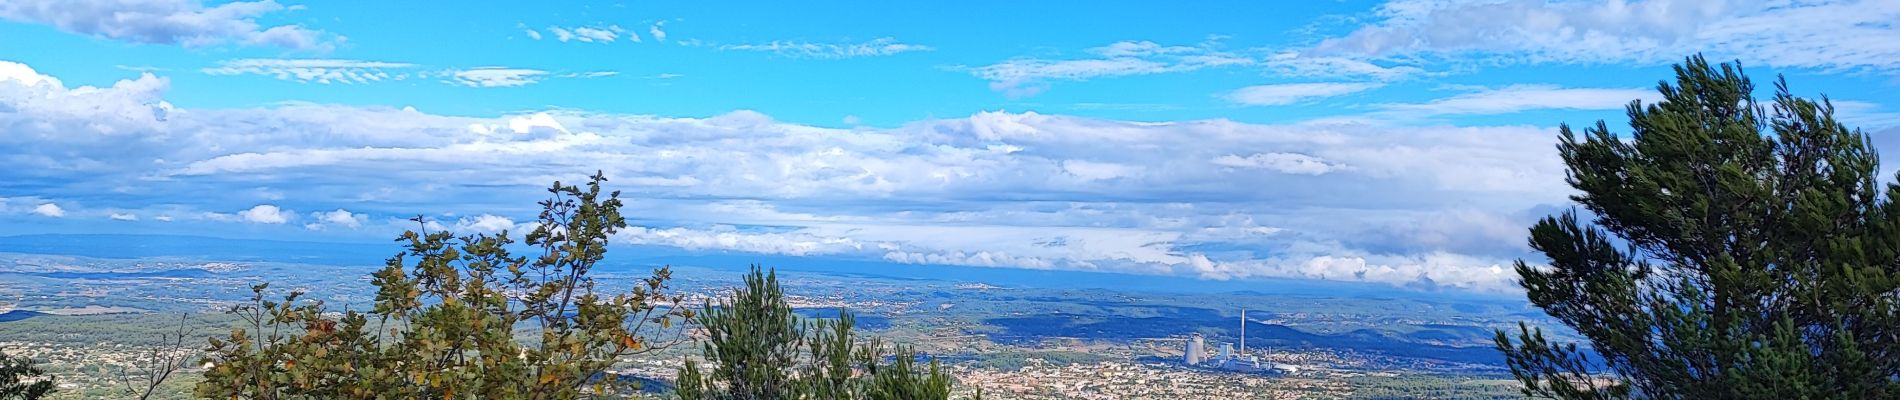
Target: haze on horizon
{"x": 1397, "y": 142}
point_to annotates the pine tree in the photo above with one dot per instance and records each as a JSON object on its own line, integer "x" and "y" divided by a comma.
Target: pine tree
{"x": 21, "y": 380}
{"x": 1736, "y": 250}
{"x": 758, "y": 349}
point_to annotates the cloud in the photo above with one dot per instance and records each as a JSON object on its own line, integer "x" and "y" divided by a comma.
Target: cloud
{"x": 38, "y": 114}
{"x": 1097, "y": 171}
{"x": 1865, "y": 115}
{"x": 1826, "y": 35}
{"x": 495, "y": 77}
{"x": 184, "y": 22}
{"x": 328, "y": 71}
{"x": 323, "y": 71}
{"x": 588, "y": 34}
{"x": 50, "y": 210}
{"x": 1511, "y": 99}
{"x": 339, "y": 218}
{"x": 1029, "y": 76}
{"x": 264, "y": 214}
{"x": 658, "y": 34}
{"x": 532, "y": 34}
{"x": 1217, "y": 199}
{"x": 1297, "y": 64}
{"x": 123, "y": 216}
{"x": 484, "y": 223}
{"x": 1290, "y": 93}
{"x": 797, "y": 49}
{"x": 1289, "y": 163}
{"x": 590, "y": 74}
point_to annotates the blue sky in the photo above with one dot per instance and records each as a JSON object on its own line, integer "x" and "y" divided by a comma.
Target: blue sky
{"x": 1406, "y": 142}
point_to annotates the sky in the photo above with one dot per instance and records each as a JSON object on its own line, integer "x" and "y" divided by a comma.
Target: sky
{"x": 1403, "y": 142}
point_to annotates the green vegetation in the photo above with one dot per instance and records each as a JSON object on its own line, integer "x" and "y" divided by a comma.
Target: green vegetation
{"x": 1431, "y": 387}
{"x": 463, "y": 317}
{"x": 21, "y": 379}
{"x": 1738, "y": 251}
{"x": 443, "y": 325}
{"x": 756, "y": 348}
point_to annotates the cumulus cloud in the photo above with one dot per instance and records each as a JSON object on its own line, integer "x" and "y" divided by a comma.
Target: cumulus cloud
{"x": 1289, "y": 93}
{"x": 264, "y": 214}
{"x": 50, "y": 210}
{"x": 658, "y": 34}
{"x": 873, "y": 48}
{"x": 338, "y": 218}
{"x": 117, "y": 216}
{"x": 185, "y": 22}
{"x": 484, "y": 223}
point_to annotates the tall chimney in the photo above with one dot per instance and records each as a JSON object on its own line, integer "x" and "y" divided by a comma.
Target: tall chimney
{"x": 1243, "y": 331}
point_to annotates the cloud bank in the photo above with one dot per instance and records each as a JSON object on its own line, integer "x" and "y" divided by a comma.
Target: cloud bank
{"x": 1214, "y": 199}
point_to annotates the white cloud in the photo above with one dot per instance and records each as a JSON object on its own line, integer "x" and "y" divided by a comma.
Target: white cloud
{"x": 728, "y": 238}
{"x": 485, "y": 223}
{"x": 1828, "y": 35}
{"x": 561, "y": 34}
{"x": 49, "y": 210}
{"x": 533, "y": 34}
{"x": 495, "y": 77}
{"x": 1297, "y": 64}
{"x": 184, "y": 22}
{"x": 1288, "y": 163}
{"x": 1518, "y": 98}
{"x": 1029, "y": 76}
{"x": 118, "y": 216}
{"x": 528, "y": 124}
{"x": 340, "y": 217}
{"x": 658, "y": 34}
{"x": 1289, "y": 93}
{"x": 39, "y": 110}
{"x": 314, "y": 70}
{"x": 328, "y": 71}
{"x": 590, "y": 74}
{"x": 26, "y": 76}
{"x": 264, "y": 214}
{"x": 1865, "y": 115}
{"x": 1093, "y": 171}
{"x": 876, "y": 47}
{"x": 588, "y": 34}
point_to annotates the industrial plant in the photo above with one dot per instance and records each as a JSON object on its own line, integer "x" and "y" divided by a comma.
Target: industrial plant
{"x": 1228, "y": 359}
